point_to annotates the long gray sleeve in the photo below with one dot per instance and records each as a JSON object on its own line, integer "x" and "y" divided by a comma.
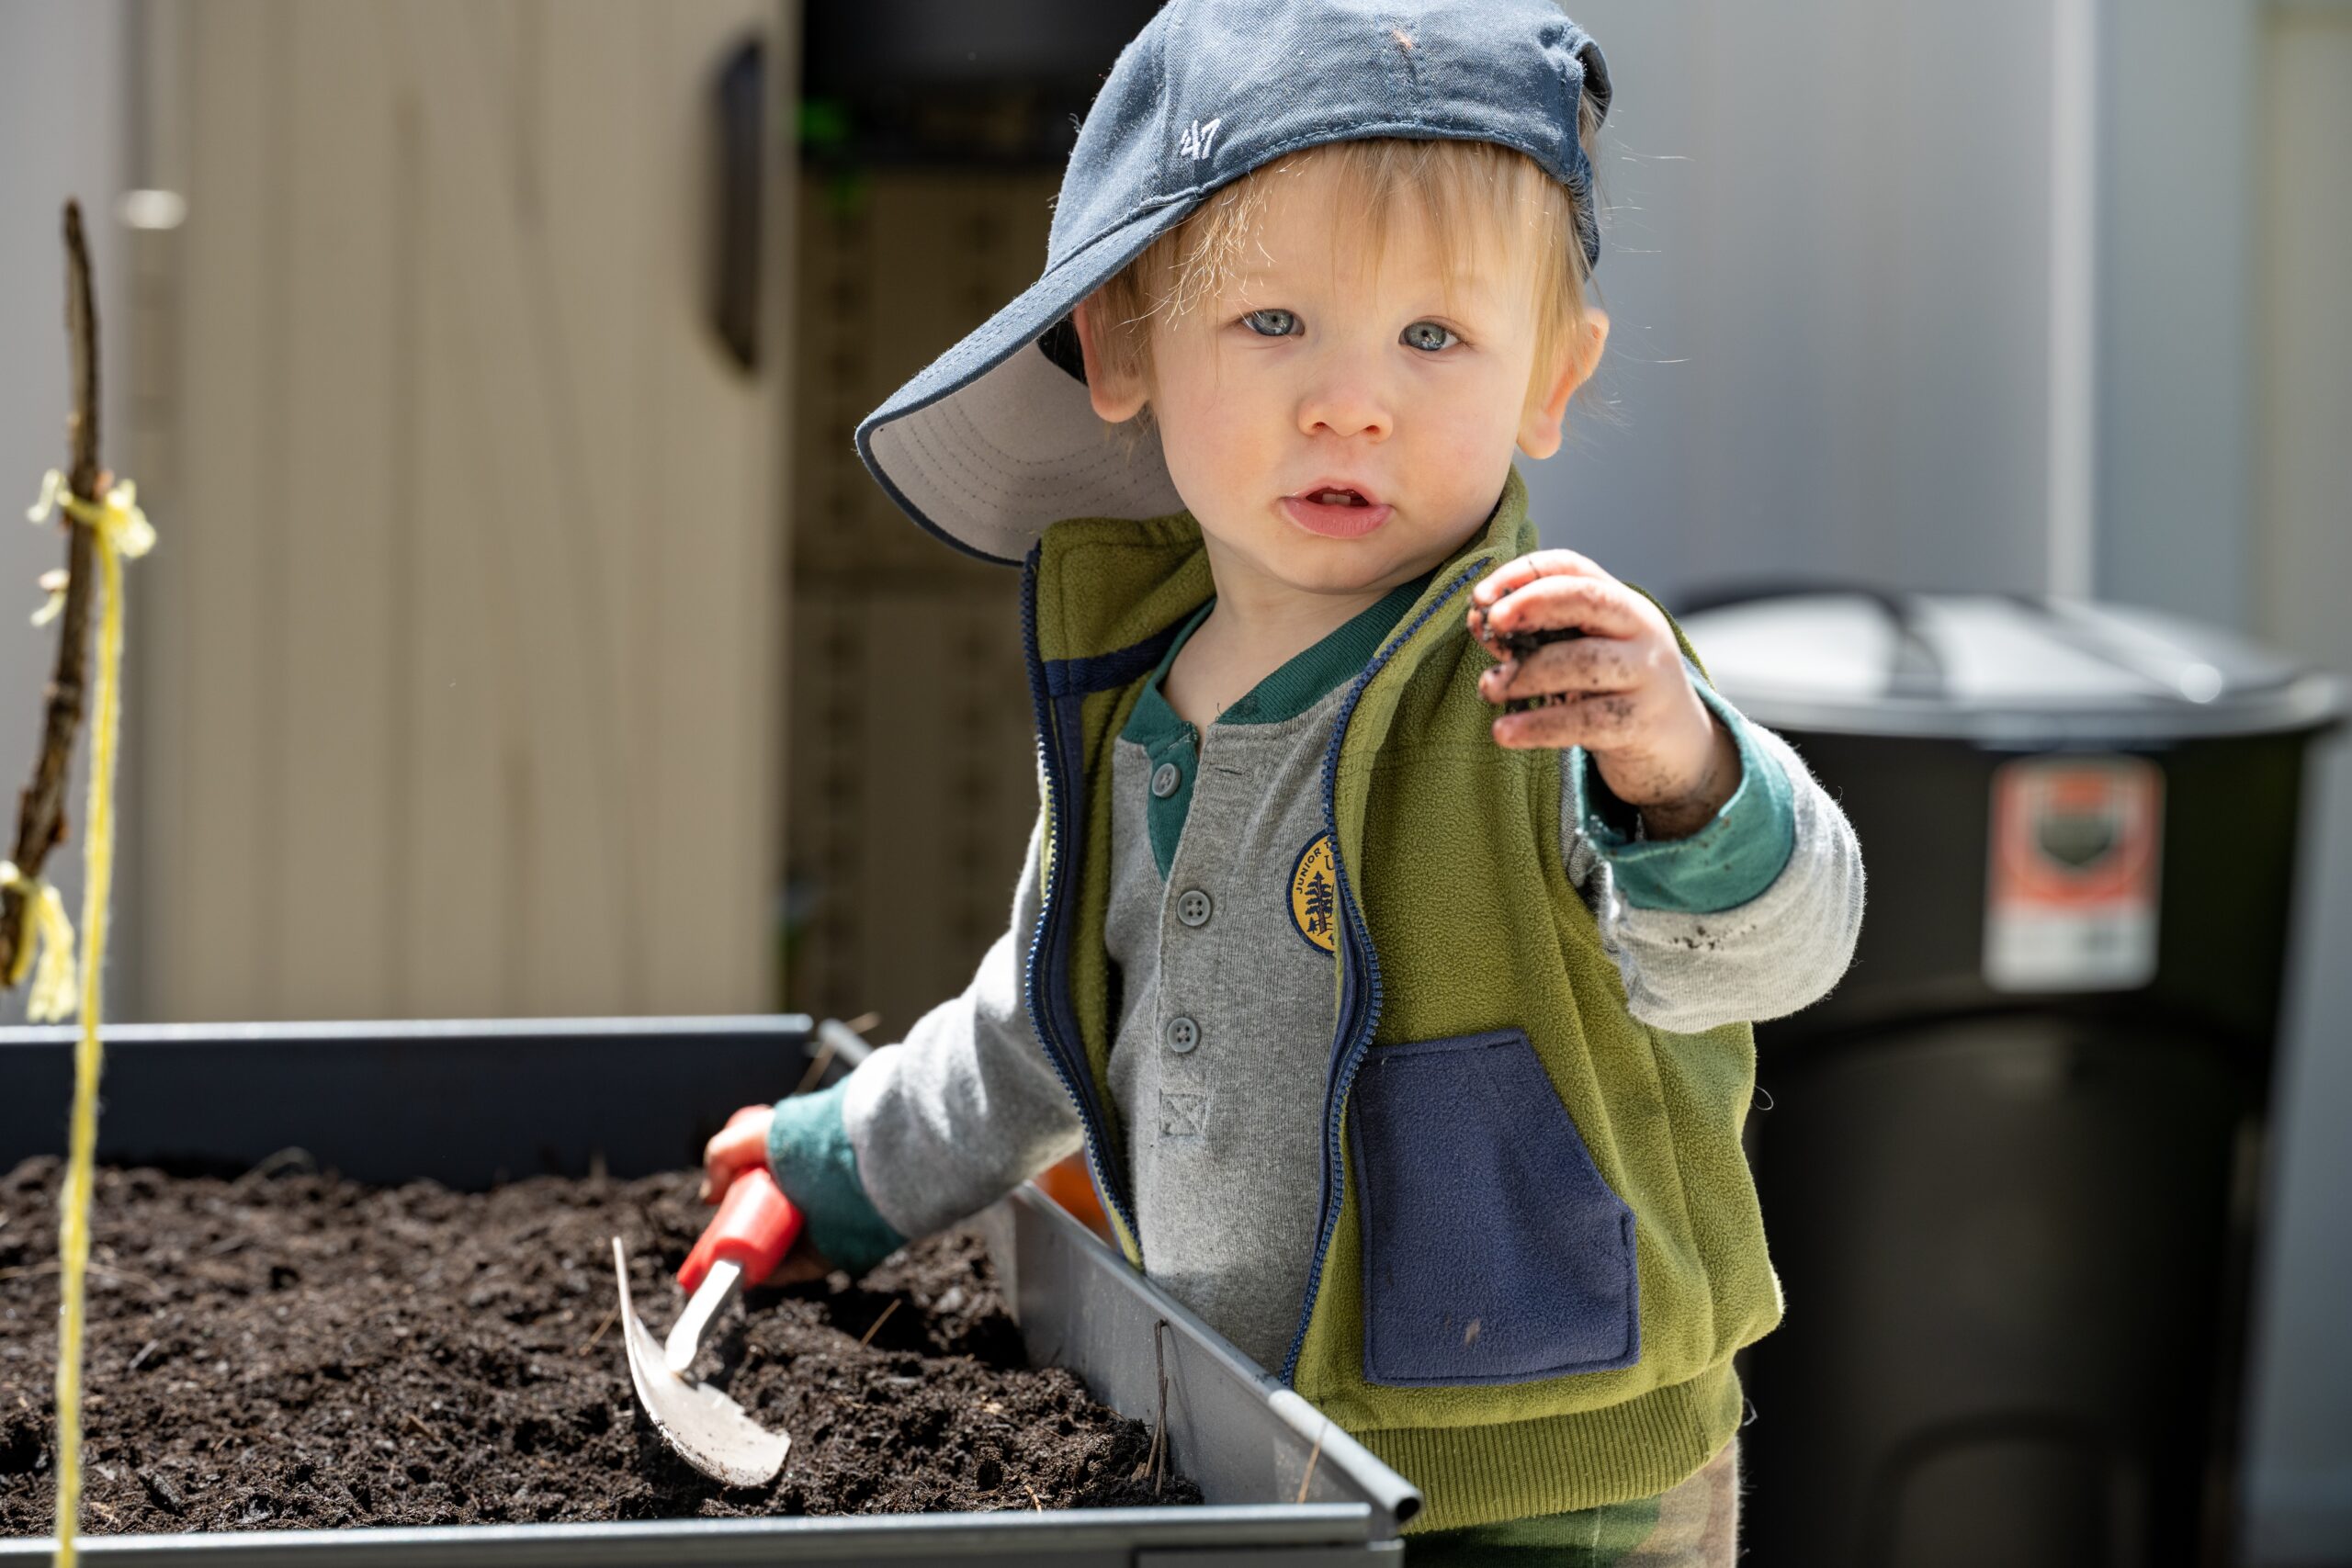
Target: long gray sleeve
{"x": 968, "y": 1106}
{"x": 1776, "y": 953}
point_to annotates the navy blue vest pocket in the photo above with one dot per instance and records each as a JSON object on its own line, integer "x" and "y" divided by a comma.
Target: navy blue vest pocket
{"x": 1492, "y": 1252}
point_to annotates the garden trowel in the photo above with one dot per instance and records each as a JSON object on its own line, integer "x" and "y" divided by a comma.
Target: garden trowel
{"x": 755, "y": 1226}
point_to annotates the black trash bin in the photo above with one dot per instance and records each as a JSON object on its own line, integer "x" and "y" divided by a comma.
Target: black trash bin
{"x": 2011, "y": 1167}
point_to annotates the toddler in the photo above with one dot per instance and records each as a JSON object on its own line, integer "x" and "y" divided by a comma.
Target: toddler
{"x": 1402, "y": 893}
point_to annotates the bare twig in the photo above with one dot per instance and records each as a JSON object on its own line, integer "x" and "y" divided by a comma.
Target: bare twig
{"x": 817, "y": 1065}
{"x": 1154, "y": 1463}
{"x": 1313, "y": 1454}
{"x": 1159, "y": 1361}
{"x": 830, "y": 1035}
{"x": 40, "y": 809}
{"x": 875, "y": 1327}
{"x": 82, "y": 327}
{"x": 35, "y": 1270}
{"x": 612, "y": 1317}
{"x": 430, "y": 1435}
{"x": 127, "y": 1276}
{"x": 291, "y": 1158}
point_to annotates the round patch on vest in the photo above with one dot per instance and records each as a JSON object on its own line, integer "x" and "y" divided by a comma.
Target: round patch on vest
{"x": 1314, "y": 896}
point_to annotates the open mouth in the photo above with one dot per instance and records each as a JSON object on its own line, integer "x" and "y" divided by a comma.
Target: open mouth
{"x": 1336, "y": 512}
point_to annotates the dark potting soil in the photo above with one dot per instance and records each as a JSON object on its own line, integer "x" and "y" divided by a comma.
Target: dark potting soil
{"x": 292, "y": 1350}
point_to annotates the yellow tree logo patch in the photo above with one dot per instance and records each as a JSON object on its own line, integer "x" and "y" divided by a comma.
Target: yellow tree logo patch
{"x": 1314, "y": 894}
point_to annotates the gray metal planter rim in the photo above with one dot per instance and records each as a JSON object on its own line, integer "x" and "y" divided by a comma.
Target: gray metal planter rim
{"x": 240, "y": 1093}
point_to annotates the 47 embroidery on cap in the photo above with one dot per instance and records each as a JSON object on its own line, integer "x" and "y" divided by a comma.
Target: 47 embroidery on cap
{"x": 1197, "y": 138}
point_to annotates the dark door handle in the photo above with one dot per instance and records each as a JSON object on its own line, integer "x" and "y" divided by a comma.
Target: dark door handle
{"x": 739, "y": 118}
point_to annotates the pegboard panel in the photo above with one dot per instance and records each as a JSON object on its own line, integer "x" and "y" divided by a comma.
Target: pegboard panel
{"x": 913, "y": 777}
{"x": 914, "y": 790}
{"x": 894, "y": 268}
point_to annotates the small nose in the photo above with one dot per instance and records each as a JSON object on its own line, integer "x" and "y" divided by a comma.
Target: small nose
{"x": 1345, "y": 401}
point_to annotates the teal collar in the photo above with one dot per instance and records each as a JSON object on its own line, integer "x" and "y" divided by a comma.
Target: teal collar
{"x": 1154, "y": 725}
{"x": 1306, "y": 680}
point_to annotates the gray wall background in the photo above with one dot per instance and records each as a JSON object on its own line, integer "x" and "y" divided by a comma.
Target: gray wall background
{"x": 2300, "y": 567}
{"x": 1829, "y": 281}
{"x": 1824, "y": 280}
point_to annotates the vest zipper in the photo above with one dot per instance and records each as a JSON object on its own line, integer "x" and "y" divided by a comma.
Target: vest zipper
{"x": 1360, "y": 989}
{"x": 1057, "y": 864}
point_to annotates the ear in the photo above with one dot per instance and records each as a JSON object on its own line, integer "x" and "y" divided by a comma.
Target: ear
{"x": 1117, "y": 399}
{"x": 1539, "y": 425}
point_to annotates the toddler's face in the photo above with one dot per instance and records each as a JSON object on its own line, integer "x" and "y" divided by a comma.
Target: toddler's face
{"x": 1341, "y": 427}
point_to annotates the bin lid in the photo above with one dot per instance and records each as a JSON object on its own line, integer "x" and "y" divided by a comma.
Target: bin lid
{"x": 2004, "y": 669}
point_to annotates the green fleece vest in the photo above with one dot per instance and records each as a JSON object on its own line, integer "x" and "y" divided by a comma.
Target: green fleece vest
{"x": 1541, "y": 1244}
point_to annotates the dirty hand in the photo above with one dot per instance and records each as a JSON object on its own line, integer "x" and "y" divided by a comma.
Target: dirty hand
{"x": 1614, "y": 683}
{"x": 741, "y": 1146}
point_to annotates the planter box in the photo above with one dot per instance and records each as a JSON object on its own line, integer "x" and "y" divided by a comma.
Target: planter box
{"x": 470, "y": 1104}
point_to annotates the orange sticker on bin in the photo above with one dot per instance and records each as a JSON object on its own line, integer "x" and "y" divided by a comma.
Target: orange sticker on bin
{"x": 2072, "y": 891}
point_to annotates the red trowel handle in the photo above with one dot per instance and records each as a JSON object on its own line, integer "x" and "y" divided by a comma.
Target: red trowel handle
{"x": 755, "y": 1226}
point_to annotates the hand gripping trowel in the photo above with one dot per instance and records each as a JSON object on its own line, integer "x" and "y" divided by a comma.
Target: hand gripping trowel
{"x": 755, "y": 1226}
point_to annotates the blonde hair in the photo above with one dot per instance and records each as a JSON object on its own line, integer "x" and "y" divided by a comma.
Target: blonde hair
{"x": 1473, "y": 192}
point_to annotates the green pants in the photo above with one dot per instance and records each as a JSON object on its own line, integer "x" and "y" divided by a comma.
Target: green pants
{"x": 1696, "y": 1525}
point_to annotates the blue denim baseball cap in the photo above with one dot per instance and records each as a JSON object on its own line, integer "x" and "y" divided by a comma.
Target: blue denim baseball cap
{"x": 996, "y": 439}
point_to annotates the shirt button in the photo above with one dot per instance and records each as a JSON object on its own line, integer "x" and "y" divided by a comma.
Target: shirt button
{"x": 1183, "y": 1034}
{"x": 1192, "y": 906}
{"x": 1164, "y": 778}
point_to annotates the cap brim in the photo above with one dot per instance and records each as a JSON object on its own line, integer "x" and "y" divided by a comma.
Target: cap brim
{"x": 993, "y": 441}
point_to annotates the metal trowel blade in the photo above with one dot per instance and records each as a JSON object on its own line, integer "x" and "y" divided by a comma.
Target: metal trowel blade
{"x": 709, "y": 1430}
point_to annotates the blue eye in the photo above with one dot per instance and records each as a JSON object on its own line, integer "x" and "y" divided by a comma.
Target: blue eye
{"x": 1272, "y": 324}
{"x": 1428, "y": 337}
